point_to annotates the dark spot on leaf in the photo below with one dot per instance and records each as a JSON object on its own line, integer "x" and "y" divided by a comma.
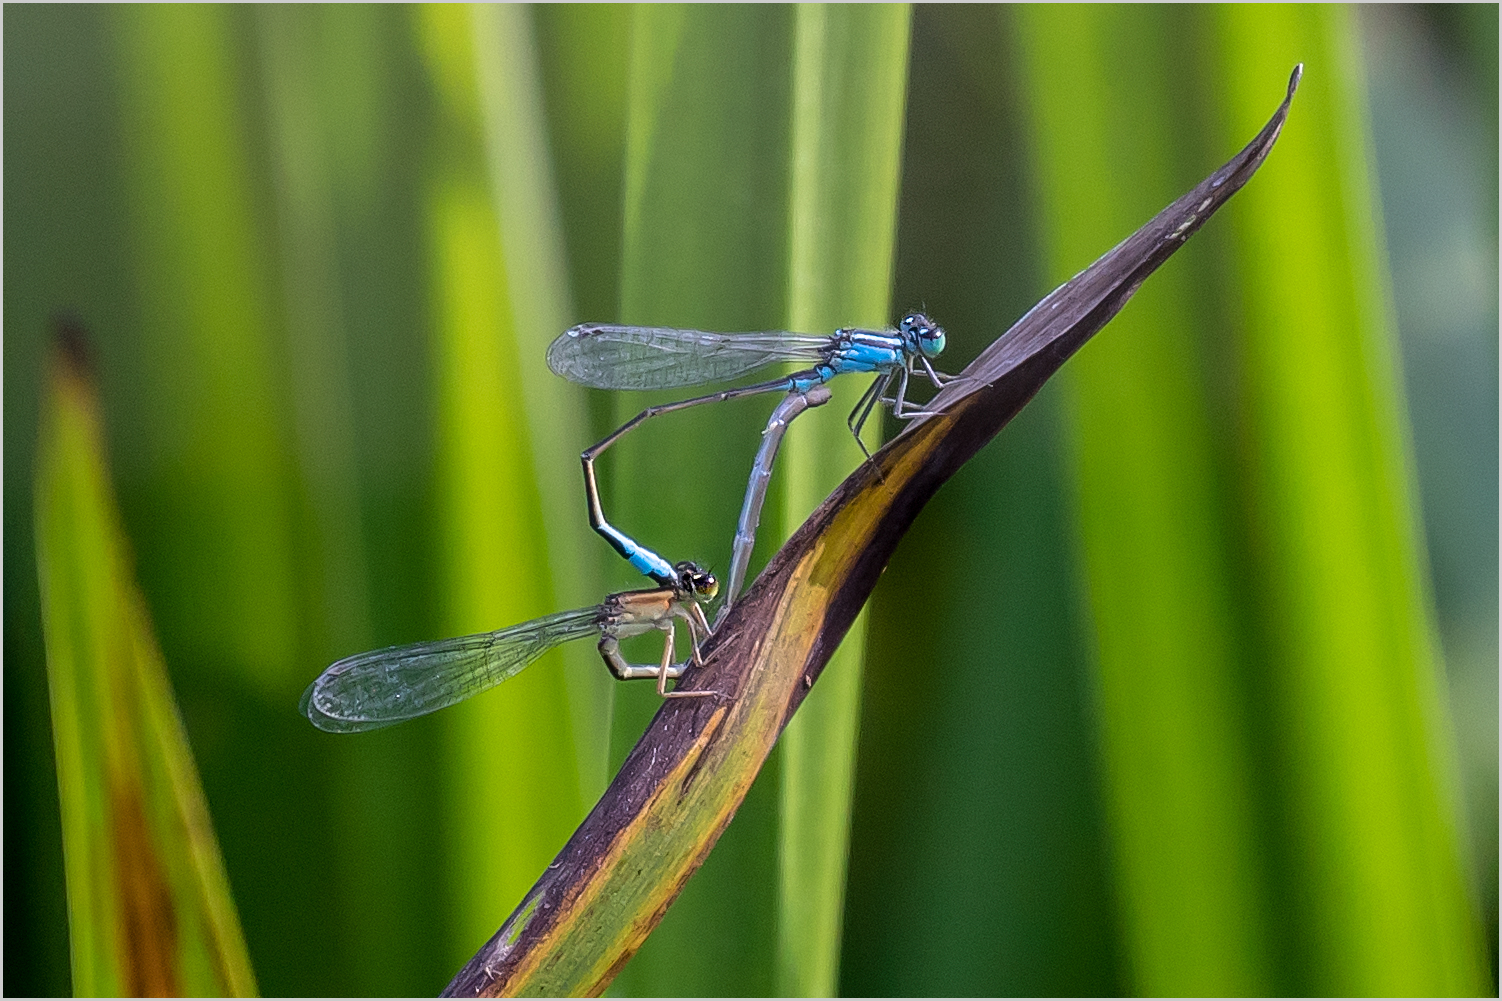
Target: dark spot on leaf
{"x": 147, "y": 919}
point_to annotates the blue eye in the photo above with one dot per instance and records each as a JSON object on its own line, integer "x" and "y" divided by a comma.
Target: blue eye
{"x": 926, "y": 335}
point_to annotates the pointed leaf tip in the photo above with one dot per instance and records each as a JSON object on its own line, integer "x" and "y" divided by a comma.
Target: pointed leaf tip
{"x": 74, "y": 350}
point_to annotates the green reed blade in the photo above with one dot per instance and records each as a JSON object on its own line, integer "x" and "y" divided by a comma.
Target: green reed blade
{"x": 149, "y": 905}
{"x": 848, "y": 103}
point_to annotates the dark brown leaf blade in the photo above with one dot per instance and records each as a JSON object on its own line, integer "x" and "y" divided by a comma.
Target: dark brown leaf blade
{"x": 684, "y": 779}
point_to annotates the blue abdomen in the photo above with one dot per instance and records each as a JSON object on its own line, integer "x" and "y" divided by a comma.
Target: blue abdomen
{"x": 643, "y": 559}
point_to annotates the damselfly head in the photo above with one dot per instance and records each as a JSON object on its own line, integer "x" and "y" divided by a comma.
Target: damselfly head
{"x": 695, "y": 581}
{"x": 923, "y": 334}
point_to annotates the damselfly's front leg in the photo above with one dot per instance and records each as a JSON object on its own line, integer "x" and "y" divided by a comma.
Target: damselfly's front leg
{"x": 676, "y": 670}
{"x": 667, "y": 660}
{"x": 857, "y": 419}
{"x": 939, "y": 379}
{"x": 899, "y": 401}
{"x": 698, "y": 630}
{"x": 610, "y": 650}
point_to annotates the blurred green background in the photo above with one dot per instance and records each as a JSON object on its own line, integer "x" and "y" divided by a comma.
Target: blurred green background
{"x": 321, "y": 251}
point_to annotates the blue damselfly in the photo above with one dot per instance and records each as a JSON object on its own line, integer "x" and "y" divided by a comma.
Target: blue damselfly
{"x": 615, "y": 356}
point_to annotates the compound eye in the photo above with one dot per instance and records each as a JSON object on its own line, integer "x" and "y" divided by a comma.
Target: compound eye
{"x": 931, "y": 340}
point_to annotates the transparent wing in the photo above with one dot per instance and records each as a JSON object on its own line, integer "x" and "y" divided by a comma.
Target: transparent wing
{"x": 382, "y": 687}
{"x": 607, "y": 356}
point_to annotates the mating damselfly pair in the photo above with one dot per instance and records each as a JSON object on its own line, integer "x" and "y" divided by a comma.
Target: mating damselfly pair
{"x": 383, "y": 687}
